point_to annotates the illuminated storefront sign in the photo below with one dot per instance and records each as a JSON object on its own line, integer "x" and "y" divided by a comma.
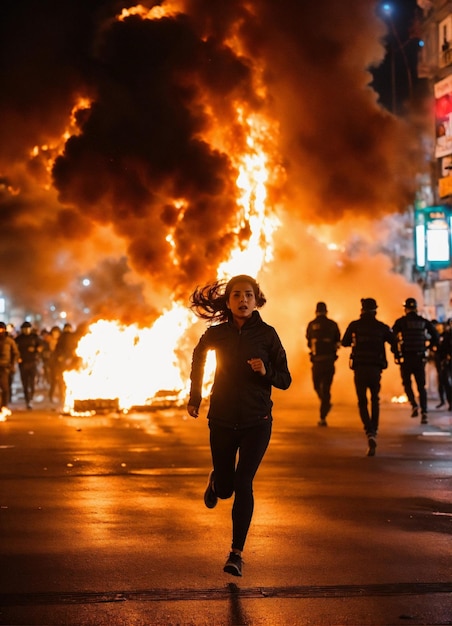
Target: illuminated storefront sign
{"x": 432, "y": 237}
{"x": 443, "y": 117}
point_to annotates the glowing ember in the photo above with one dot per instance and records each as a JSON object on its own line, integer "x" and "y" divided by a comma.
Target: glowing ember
{"x": 4, "y": 414}
{"x": 156, "y": 13}
{"x": 399, "y": 399}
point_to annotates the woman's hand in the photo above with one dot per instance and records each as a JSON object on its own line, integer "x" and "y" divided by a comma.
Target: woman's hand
{"x": 193, "y": 410}
{"x": 257, "y": 365}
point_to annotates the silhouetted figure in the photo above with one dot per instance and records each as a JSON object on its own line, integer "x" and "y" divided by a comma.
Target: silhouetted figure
{"x": 323, "y": 337}
{"x": 9, "y": 355}
{"x": 65, "y": 356}
{"x": 50, "y": 362}
{"x": 434, "y": 359}
{"x": 443, "y": 358}
{"x": 415, "y": 334}
{"x": 30, "y": 348}
{"x": 367, "y": 337}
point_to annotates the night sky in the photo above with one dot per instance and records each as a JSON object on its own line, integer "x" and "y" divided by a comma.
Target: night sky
{"x": 402, "y": 47}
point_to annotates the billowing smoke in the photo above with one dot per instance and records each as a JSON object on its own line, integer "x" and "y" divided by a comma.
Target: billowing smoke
{"x": 109, "y": 167}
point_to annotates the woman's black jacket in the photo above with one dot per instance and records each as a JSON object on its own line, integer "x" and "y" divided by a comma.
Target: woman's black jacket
{"x": 239, "y": 396}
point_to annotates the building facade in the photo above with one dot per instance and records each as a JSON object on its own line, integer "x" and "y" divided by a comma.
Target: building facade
{"x": 433, "y": 210}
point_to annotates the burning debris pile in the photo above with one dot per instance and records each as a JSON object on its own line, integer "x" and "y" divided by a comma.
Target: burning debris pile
{"x": 127, "y": 366}
{"x": 156, "y": 147}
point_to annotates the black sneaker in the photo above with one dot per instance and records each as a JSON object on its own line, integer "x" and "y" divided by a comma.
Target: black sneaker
{"x": 234, "y": 564}
{"x": 414, "y": 412}
{"x": 372, "y": 446}
{"x": 424, "y": 419}
{"x": 322, "y": 422}
{"x": 210, "y": 497}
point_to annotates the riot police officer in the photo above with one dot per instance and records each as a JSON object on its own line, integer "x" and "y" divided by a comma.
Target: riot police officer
{"x": 323, "y": 337}
{"x": 30, "y": 347}
{"x": 415, "y": 335}
{"x": 367, "y": 337}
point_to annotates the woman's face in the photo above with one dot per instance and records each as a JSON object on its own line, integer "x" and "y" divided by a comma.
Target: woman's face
{"x": 242, "y": 301}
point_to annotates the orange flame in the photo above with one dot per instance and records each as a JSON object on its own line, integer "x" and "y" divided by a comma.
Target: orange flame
{"x": 254, "y": 175}
{"x": 156, "y": 13}
{"x": 128, "y": 363}
{"x": 399, "y": 399}
{"x": 49, "y": 151}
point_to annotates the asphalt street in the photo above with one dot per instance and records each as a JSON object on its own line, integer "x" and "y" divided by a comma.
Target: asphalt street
{"x": 103, "y": 521}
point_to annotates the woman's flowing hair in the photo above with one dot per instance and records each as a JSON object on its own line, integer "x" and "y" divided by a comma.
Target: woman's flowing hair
{"x": 210, "y": 302}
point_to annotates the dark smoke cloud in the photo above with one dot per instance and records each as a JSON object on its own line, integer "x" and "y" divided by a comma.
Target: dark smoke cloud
{"x": 141, "y": 147}
{"x": 139, "y": 169}
{"x": 343, "y": 153}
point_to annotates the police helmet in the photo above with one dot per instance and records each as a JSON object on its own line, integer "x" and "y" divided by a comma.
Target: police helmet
{"x": 410, "y": 304}
{"x": 369, "y": 304}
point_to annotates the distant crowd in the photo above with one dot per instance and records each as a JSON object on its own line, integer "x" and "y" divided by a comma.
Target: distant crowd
{"x": 40, "y": 357}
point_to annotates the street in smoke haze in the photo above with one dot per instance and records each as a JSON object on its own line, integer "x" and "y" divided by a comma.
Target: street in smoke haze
{"x": 103, "y": 522}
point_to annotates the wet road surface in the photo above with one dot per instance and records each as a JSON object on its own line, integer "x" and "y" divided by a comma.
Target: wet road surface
{"x": 103, "y": 522}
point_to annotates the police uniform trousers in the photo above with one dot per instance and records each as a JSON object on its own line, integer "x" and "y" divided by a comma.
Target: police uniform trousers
{"x": 414, "y": 365}
{"x": 368, "y": 378}
{"x": 322, "y": 378}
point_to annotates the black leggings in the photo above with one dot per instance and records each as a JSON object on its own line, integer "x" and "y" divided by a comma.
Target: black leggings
{"x": 251, "y": 444}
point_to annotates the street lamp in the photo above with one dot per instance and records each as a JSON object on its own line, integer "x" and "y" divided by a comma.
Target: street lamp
{"x": 388, "y": 10}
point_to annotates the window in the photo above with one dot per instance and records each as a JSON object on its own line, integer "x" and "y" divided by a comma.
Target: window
{"x": 445, "y": 41}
